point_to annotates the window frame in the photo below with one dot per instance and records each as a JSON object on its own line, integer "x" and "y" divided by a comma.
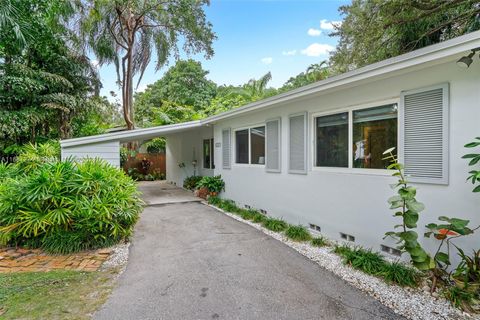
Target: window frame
{"x": 211, "y": 146}
{"x": 350, "y": 109}
{"x": 234, "y": 146}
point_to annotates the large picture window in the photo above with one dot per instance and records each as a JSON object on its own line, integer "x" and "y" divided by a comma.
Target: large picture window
{"x": 332, "y": 140}
{"x": 360, "y": 135}
{"x": 250, "y": 145}
{"x": 374, "y": 131}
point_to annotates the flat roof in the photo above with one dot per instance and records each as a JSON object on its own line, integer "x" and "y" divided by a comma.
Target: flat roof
{"x": 446, "y": 50}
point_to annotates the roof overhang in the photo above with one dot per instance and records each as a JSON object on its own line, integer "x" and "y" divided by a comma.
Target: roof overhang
{"x": 449, "y": 50}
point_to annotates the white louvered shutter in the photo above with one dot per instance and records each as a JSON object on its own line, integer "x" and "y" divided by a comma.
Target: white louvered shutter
{"x": 226, "y": 148}
{"x": 297, "y": 154}
{"x": 425, "y": 134}
{"x": 273, "y": 163}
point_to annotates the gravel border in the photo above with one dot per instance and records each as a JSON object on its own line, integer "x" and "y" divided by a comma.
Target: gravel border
{"x": 118, "y": 257}
{"x": 411, "y": 303}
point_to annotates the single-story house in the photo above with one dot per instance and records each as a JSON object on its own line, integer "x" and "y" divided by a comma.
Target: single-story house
{"x": 313, "y": 155}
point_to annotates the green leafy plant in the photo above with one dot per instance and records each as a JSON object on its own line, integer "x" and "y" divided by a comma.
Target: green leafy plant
{"x": 474, "y": 176}
{"x": 229, "y": 206}
{"x": 298, "y": 233}
{"x": 276, "y": 225}
{"x": 366, "y": 260}
{"x": 214, "y": 201}
{"x": 213, "y": 184}
{"x": 398, "y": 273}
{"x": 258, "y": 217}
{"x": 408, "y": 209}
{"x": 191, "y": 182}
{"x": 32, "y": 156}
{"x": 319, "y": 242}
{"x": 155, "y": 145}
{"x": 461, "y": 298}
{"x": 67, "y": 206}
{"x": 467, "y": 273}
{"x": 247, "y": 214}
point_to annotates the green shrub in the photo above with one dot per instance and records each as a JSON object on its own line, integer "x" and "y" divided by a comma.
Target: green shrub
{"x": 258, "y": 217}
{"x": 213, "y": 184}
{"x": 247, "y": 214}
{"x": 319, "y": 242}
{"x": 460, "y": 298}
{"x": 214, "y": 201}
{"x": 366, "y": 260}
{"x": 191, "y": 182}
{"x": 65, "y": 207}
{"x": 156, "y": 145}
{"x": 298, "y": 233}
{"x": 276, "y": 225}
{"x": 32, "y": 156}
{"x": 400, "y": 274}
{"x": 229, "y": 206}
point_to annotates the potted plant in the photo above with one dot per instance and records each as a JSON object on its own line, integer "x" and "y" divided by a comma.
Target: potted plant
{"x": 467, "y": 274}
{"x": 214, "y": 185}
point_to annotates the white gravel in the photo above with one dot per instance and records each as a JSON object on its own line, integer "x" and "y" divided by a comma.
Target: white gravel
{"x": 411, "y": 303}
{"x": 118, "y": 257}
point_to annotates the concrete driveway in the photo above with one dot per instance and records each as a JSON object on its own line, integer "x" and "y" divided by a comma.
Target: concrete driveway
{"x": 188, "y": 261}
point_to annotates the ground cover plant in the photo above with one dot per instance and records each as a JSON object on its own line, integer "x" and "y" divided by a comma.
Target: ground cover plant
{"x": 191, "y": 182}
{"x": 276, "y": 225}
{"x": 65, "y": 206}
{"x": 298, "y": 233}
{"x": 319, "y": 242}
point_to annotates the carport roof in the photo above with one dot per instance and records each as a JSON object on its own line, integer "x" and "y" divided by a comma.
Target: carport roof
{"x": 449, "y": 50}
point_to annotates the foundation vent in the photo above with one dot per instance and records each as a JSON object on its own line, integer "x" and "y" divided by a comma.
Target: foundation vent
{"x": 247, "y": 206}
{"x": 390, "y": 250}
{"x": 263, "y": 211}
{"x": 314, "y": 227}
{"x": 347, "y": 237}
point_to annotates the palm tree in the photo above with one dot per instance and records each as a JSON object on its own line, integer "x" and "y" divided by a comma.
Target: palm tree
{"x": 317, "y": 72}
{"x": 254, "y": 89}
{"x": 125, "y": 32}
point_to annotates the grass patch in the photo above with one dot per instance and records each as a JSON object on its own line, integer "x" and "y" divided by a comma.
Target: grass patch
{"x": 247, "y": 214}
{"x": 319, "y": 242}
{"x": 228, "y": 205}
{"x": 400, "y": 274}
{"x": 374, "y": 264}
{"x": 54, "y": 294}
{"x": 258, "y": 217}
{"x": 298, "y": 233}
{"x": 276, "y": 225}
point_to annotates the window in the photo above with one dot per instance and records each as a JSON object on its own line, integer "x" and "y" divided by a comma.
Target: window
{"x": 250, "y": 145}
{"x": 241, "y": 146}
{"x": 332, "y": 140}
{"x": 208, "y": 152}
{"x": 374, "y": 131}
{"x": 360, "y": 135}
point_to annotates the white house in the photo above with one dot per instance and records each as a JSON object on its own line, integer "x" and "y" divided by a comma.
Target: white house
{"x": 314, "y": 155}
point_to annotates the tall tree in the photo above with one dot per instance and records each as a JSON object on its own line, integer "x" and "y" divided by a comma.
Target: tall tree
{"x": 125, "y": 32}
{"x": 256, "y": 89}
{"x": 374, "y": 30}
{"x": 315, "y": 72}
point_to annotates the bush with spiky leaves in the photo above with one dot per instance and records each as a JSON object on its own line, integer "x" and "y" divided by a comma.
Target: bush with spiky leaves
{"x": 66, "y": 206}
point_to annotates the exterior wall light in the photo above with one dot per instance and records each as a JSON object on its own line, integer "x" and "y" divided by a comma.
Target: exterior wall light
{"x": 466, "y": 61}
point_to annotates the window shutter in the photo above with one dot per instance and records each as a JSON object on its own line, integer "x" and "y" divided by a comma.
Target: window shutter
{"x": 273, "y": 163}
{"x": 298, "y": 143}
{"x": 425, "y": 134}
{"x": 226, "y": 148}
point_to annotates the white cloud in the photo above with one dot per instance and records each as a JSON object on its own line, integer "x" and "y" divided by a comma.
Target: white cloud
{"x": 267, "y": 60}
{"x": 328, "y": 25}
{"x": 317, "y": 49}
{"x": 289, "y": 53}
{"x": 314, "y": 32}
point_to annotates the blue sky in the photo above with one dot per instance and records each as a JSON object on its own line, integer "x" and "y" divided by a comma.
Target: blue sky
{"x": 257, "y": 36}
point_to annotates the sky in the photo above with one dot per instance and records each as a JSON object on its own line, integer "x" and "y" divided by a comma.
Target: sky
{"x": 254, "y": 37}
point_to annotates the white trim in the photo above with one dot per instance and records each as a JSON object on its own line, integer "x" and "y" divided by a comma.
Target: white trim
{"x": 350, "y": 110}
{"x": 305, "y": 143}
{"x": 248, "y": 128}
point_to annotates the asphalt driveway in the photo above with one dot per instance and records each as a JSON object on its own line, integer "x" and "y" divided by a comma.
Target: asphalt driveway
{"x": 188, "y": 261}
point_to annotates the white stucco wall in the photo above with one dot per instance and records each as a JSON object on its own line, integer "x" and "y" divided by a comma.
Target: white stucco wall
{"x": 109, "y": 151}
{"x": 185, "y": 147}
{"x": 356, "y": 203}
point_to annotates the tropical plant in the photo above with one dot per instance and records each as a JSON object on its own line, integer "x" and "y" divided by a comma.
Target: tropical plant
{"x": 31, "y": 156}
{"x": 246, "y": 214}
{"x": 319, "y": 242}
{"x": 191, "y": 182}
{"x": 398, "y": 273}
{"x": 258, "y": 217}
{"x": 468, "y": 271}
{"x": 156, "y": 145}
{"x": 374, "y": 30}
{"x": 315, "y": 72}
{"x": 408, "y": 209}
{"x": 276, "y": 225}
{"x": 213, "y": 184}
{"x": 126, "y": 32}
{"x": 474, "y": 160}
{"x": 298, "y": 233}
{"x": 67, "y": 206}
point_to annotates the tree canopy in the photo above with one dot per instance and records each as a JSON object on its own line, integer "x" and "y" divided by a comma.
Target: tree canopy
{"x": 374, "y": 30}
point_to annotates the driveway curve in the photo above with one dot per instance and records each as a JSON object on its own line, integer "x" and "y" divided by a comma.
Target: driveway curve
{"x": 188, "y": 261}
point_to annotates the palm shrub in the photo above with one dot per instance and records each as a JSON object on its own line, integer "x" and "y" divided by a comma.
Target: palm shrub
{"x": 276, "y": 225}
{"x": 298, "y": 233}
{"x": 214, "y": 185}
{"x": 32, "y": 156}
{"x": 65, "y": 207}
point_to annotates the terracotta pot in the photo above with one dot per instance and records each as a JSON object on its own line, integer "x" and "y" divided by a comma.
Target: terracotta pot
{"x": 213, "y": 194}
{"x": 203, "y": 193}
